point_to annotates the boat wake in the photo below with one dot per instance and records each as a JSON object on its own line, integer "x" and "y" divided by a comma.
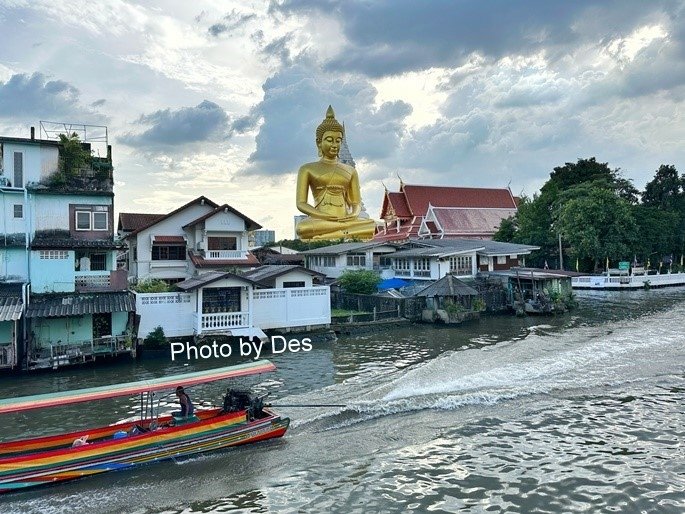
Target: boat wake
{"x": 539, "y": 364}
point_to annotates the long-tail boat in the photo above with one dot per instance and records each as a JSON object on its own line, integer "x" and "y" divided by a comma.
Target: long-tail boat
{"x": 154, "y": 437}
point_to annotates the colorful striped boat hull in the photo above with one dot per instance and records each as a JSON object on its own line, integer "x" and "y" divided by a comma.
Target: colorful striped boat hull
{"x": 48, "y": 460}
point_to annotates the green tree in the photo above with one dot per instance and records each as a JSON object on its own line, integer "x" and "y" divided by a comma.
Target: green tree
{"x": 597, "y": 223}
{"x": 359, "y": 281}
{"x": 507, "y": 230}
{"x": 72, "y": 154}
{"x": 665, "y": 190}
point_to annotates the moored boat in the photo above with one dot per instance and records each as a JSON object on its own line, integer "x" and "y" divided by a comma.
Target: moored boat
{"x": 51, "y": 459}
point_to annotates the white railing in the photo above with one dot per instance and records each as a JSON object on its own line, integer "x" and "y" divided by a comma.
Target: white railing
{"x": 226, "y": 254}
{"x": 629, "y": 282}
{"x": 222, "y": 321}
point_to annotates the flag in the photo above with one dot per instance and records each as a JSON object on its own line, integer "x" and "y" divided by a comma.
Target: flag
{"x": 607, "y": 263}
{"x": 576, "y": 263}
{"x": 546, "y": 265}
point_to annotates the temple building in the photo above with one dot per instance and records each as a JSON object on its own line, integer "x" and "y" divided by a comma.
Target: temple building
{"x": 439, "y": 212}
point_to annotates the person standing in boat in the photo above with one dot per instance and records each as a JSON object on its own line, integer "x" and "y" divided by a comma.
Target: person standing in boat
{"x": 187, "y": 408}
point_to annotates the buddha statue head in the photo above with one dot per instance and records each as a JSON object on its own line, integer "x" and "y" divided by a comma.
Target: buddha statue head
{"x": 329, "y": 124}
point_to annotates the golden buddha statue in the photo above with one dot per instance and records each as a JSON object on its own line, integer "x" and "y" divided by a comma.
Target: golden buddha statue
{"x": 335, "y": 188}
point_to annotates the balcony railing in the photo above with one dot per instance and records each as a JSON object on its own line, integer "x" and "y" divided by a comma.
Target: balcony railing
{"x": 100, "y": 281}
{"x": 225, "y": 254}
{"x": 221, "y": 321}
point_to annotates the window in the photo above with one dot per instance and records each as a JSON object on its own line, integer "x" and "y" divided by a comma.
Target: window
{"x": 168, "y": 252}
{"x": 98, "y": 262}
{"x": 293, "y": 284}
{"x": 501, "y": 259}
{"x": 99, "y": 221}
{"x": 356, "y": 259}
{"x": 402, "y": 264}
{"x": 53, "y": 254}
{"x": 422, "y": 264}
{"x": 18, "y": 169}
{"x": 220, "y": 299}
{"x": 18, "y": 210}
{"x": 461, "y": 265}
{"x": 222, "y": 243}
{"x": 87, "y": 220}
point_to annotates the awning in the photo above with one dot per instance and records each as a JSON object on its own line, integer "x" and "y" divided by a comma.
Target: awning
{"x": 175, "y": 240}
{"x": 67, "y": 305}
{"x": 10, "y": 308}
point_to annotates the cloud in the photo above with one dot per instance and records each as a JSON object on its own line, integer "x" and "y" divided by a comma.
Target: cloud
{"x": 171, "y": 128}
{"x": 295, "y": 102}
{"x": 34, "y": 95}
{"x": 388, "y": 37}
{"x": 231, "y": 21}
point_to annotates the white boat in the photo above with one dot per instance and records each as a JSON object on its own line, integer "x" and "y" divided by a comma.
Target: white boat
{"x": 620, "y": 279}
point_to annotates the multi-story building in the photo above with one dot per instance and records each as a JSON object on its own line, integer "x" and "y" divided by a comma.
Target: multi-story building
{"x": 198, "y": 237}
{"x": 64, "y": 299}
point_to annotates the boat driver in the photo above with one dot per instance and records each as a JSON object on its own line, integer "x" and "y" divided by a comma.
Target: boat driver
{"x": 187, "y": 408}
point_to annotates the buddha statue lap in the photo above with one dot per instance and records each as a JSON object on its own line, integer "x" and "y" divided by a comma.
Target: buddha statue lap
{"x": 335, "y": 189}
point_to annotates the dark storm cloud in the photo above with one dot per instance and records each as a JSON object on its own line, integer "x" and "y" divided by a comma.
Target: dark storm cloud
{"x": 295, "y": 102}
{"x": 34, "y": 96}
{"x": 388, "y": 37}
{"x": 205, "y": 122}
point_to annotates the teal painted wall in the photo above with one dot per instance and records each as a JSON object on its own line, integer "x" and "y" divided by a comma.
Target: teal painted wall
{"x": 119, "y": 320}
{"x": 6, "y": 331}
{"x": 52, "y": 275}
{"x": 66, "y": 330}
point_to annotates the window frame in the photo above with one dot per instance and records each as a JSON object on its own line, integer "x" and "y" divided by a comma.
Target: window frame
{"x": 106, "y": 215}
{"x": 76, "y": 221}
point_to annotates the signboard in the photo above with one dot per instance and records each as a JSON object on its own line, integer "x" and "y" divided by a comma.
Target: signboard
{"x": 624, "y": 265}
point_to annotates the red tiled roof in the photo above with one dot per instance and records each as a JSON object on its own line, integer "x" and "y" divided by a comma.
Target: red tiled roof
{"x": 399, "y": 203}
{"x": 470, "y": 222}
{"x": 418, "y": 198}
{"x": 432, "y": 227}
{"x": 129, "y": 221}
{"x": 406, "y": 230}
{"x": 200, "y": 262}
{"x": 170, "y": 239}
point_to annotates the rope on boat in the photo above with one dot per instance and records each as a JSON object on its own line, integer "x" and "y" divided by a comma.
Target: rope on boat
{"x": 308, "y": 405}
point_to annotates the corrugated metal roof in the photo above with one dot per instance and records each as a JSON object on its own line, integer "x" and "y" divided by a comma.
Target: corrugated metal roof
{"x": 342, "y": 248}
{"x": 274, "y": 270}
{"x": 449, "y": 285}
{"x": 205, "y": 279}
{"x": 429, "y": 250}
{"x": 70, "y": 242}
{"x": 77, "y": 305}
{"x": 10, "y": 308}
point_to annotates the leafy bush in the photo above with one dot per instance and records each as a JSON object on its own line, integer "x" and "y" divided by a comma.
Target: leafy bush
{"x": 360, "y": 281}
{"x": 151, "y": 285}
{"x": 156, "y": 338}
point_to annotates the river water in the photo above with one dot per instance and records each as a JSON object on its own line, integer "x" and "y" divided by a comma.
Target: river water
{"x": 583, "y": 412}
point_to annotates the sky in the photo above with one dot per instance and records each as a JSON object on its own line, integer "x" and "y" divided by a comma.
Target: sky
{"x": 222, "y": 98}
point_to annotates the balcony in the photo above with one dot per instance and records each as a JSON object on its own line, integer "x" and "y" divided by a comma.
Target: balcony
{"x": 100, "y": 281}
{"x": 225, "y": 254}
{"x": 221, "y": 321}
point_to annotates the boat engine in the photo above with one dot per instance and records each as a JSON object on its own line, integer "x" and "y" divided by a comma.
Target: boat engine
{"x": 237, "y": 400}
